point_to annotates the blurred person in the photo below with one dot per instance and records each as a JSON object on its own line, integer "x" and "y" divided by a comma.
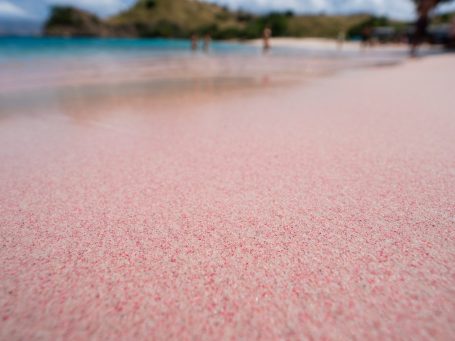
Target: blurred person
{"x": 194, "y": 42}
{"x": 451, "y": 41}
{"x": 341, "y": 39}
{"x": 366, "y": 37}
{"x": 207, "y": 42}
{"x": 421, "y": 25}
{"x": 266, "y": 35}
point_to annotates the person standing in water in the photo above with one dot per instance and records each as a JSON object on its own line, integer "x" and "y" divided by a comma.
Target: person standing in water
{"x": 194, "y": 42}
{"x": 207, "y": 42}
{"x": 341, "y": 39}
{"x": 266, "y": 35}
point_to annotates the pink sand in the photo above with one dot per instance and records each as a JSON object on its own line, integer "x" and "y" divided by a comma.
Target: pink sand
{"x": 324, "y": 211}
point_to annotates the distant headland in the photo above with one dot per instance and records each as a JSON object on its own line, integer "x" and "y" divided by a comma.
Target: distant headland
{"x": 183, "y": 18}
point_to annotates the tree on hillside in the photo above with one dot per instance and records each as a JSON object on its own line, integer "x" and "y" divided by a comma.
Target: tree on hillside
{"x": 430, "y": 3}
{"x": 424, "y": 7}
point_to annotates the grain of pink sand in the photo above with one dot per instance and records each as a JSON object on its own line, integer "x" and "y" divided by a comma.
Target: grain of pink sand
{"x": 317, "y": 212}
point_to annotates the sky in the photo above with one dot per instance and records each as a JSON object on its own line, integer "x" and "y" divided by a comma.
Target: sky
{"x": 398, "y": 9}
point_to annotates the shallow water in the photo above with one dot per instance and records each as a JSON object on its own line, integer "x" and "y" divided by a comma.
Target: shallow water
{"x": 40, "y": 72}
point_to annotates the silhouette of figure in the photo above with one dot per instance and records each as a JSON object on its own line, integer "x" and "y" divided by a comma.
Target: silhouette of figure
{"x": 207, "y": 42}
{"x": 421, "y": 26}
{"x": 266, "y": 35}
{"x": 194, "y": 42}
{"x": 451, "y": 41}
{"x": 341, "y": 39}
{"x": 366, "y": 36}
{"x": 420, "y": 33}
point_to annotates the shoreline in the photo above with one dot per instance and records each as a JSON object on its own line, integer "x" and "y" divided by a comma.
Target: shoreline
{"x": 185, "y": 72}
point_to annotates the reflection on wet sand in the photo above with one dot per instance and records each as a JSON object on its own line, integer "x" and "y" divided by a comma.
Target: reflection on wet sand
{"x": 88, "y": 102}
{"x": 88, "y": 88}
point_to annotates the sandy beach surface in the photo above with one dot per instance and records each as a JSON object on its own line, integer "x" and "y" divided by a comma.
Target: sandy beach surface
{"x": 319, "y": 210}
{"x": 313, "y": 43}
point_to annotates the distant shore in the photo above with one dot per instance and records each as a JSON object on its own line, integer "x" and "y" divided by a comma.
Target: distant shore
{"x": 332, "y": 44}
{"x": 315, "y": 43}
{"x": 117, "y": 61}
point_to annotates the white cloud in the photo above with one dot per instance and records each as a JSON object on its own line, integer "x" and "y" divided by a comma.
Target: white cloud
{"x": 10, "y": 10}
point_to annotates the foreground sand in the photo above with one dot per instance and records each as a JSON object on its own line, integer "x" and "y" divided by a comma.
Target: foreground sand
{"x": 321, "y": 211}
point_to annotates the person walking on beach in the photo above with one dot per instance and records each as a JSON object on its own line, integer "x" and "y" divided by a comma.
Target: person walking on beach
{"x": 266, "y": 35}
{"x": 194, "y": 42}
{"x": 341, "y": 39}
{"x": 366, "y": 37}
{"x": 451, "y": 43}
{"x": 207, "y": 42}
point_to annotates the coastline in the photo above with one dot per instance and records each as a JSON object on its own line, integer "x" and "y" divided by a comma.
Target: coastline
{"x": 314, "y": 43}
{"x": 95, "y": 69}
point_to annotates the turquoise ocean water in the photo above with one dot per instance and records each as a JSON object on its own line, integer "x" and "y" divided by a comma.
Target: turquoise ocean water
{"x": 36, "y": 69}
{"x": 26, "y": 48}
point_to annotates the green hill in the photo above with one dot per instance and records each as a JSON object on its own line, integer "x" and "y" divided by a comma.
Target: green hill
{"x": 181, "y": 18}
{"x": 68, "y": 21}
{"x": 175, "y": 18}
{"x": 178, "y": 18}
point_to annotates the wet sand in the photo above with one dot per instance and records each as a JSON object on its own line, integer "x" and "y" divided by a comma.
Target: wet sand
{"x": 319, "y": 210}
